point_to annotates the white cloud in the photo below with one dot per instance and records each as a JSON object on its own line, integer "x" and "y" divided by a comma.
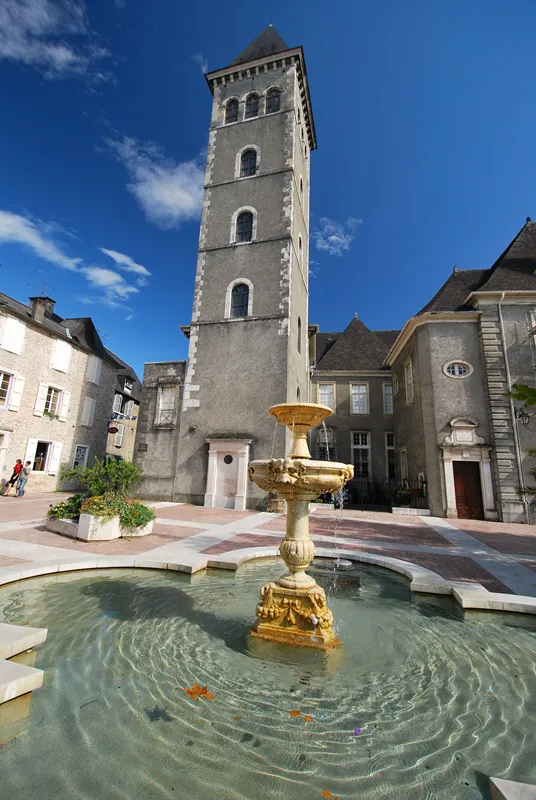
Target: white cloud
{"x": 52, "y": 35}
{"x": 17, "y": 229}
{"x": 202, "y": 60}
{"x": 37, "y": 236}
{"x": 169, "y": 193}
{"x": 113, "y": 284}
{"x": 335, "y": 238}
{"x": 127, "y": 264}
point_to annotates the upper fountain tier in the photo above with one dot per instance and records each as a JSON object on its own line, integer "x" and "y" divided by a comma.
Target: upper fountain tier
{"x": 297, "y": 477}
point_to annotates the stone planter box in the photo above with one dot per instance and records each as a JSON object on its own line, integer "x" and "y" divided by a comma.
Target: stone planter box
{"x": 95, "y": 529}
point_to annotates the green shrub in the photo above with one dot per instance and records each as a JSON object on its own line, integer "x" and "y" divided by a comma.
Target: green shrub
{"x": 68, "y": 509}
{"x": 111, "y": 477}
{"x": 135, "y": 515}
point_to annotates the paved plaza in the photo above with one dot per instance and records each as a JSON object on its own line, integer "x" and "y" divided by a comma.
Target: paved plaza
{"x": 499, "y": 557}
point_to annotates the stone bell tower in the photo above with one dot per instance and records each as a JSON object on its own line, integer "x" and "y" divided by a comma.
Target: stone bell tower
{"x": 248, "y": 333}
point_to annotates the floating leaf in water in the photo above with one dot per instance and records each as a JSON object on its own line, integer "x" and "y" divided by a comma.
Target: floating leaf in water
{"x": 295, "y": 713}
{"x": 236, "y": 719}
{"x": 327, "y": 793}
{"x": 198, "y": 691}
{"x": 357, "y": 731}
{"x": 307, "y": 718}
{"x": 158, "y": 713}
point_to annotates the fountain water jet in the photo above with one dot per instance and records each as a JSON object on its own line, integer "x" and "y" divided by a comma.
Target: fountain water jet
{"x": 293, "y": 610}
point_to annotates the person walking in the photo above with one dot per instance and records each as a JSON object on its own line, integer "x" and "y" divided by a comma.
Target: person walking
{"x": 14, "y": 476}
{"x": 24, "y": 474}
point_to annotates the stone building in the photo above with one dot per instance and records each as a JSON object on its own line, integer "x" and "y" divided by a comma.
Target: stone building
{"x": 56, "y": 390}
{"x": 349, "y": 375}
{"x": 124, "y": 413}
{"x": 251, "y": 285}
{"x": 422, "y": 413}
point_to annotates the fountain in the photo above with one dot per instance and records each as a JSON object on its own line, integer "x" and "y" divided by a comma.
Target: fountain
{"x": 293, "y": 610}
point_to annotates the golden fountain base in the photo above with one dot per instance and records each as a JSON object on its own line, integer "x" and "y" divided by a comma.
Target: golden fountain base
{"x": 299, "y": 617}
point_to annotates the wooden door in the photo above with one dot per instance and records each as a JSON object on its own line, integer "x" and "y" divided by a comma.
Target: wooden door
{"x": 468, "y": 489}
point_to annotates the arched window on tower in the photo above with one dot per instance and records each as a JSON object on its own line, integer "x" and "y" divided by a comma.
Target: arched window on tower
{"x": 301, "y": 187}
{"x": 231, "y": 111}
{"x": 300, "y": 249}
{"x": 239, "y": 300}
{"x": 244, "y": 227}
{"x": 273, "y": 101}
{"x": 248, "y": 163}
{"x": 252, "y": 106}
{"x": 299, "y": 334}
{"x": 298, "y": 394}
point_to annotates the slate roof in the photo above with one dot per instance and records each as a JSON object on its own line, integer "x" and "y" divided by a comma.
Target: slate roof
{"x": 79, "y": 330}
{"x": 266, "y": 44}
{"x": 514, "y": 270}
{"x": 388, "y": 337}
{"x": 324, "y": 341}
{"x": 126, "y": 372}
{"x": 455, "y": 290}
{"x": 357, "y": 348}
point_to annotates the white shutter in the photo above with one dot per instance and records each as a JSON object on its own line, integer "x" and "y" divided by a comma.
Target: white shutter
{"x": 119, "y": 435}
{"x": 31, "y": 448}
{"x": 94, "y": 369}
{"x": 13, "y": 335}
{"x": 41, "y": 399}
{"x": 64, "y": 406}
{"x": 88, "y": 412}
{"x": 54, "y": 464}
{"x": 15, "y": 394}
{"x": 61, "y": 355}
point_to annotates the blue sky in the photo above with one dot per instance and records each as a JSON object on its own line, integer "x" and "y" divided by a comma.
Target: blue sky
{"x": 426, "y": 124}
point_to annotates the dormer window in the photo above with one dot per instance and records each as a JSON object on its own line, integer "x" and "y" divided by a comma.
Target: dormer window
{"x": 128, "y": 385}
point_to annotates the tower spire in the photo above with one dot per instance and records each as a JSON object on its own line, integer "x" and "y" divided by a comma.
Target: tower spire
{"x": 265, "y": 44}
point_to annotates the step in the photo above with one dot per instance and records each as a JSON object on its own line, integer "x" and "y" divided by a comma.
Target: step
{"x": 511, "y": 790}
{"x": 17, "y": 679}
{"x": 16, "y": 639}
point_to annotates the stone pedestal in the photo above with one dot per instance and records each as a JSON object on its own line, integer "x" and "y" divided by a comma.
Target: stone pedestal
{"x": 294, "y": 616}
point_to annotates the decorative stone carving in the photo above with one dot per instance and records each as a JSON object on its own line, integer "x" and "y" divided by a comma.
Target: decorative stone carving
{"x": 294, "y": 610}
{"x": 463, "y": 433}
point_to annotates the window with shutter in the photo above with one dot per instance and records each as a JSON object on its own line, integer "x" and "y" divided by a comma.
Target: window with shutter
{"x": 127, "y": 411}
{"x": 15, "y": 392}
{"x": 54, "y": 460}
{"x": 93, "y": 369}
{"x": 88, "y": 412}
{"x": 12, "y": 333}
{"x": 119, "y": 435}
{"x": 118, "y": 403}
{"x": 61, "y": 356}
{"x": 5, "y": 384}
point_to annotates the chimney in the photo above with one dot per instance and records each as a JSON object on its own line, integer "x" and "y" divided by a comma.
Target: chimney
{"x": 41, "y": 307}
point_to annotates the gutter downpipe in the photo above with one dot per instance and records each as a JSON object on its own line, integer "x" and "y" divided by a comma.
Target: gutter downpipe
{"x": 512, "y": 412}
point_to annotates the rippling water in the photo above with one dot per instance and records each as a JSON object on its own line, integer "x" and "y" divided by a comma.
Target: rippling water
{"x": 440, "y": 701}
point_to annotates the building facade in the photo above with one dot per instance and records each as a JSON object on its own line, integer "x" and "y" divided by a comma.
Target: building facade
{"x": 124, "y": 414}
{"x": 56, "y": 391}
{"x": 423, "y": 413}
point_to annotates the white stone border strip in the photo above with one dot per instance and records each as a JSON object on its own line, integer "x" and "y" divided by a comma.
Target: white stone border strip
{"x": 469, "y": 595}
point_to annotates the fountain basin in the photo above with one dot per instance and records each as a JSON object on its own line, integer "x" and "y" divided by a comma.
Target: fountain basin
{"x": 438, "y": 699}
{"x": 299, "y": 478}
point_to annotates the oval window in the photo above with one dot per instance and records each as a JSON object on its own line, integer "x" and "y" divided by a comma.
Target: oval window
{"x": 228, "y": 459}
{"x": 457, "y": 369}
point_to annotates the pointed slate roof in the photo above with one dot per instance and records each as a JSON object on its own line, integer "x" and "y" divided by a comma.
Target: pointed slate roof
{"x": 514, "y": 269}
{"x": 266, "y": 44}
{"x": 357, "y": 348}
{"x": 455, "y": 290}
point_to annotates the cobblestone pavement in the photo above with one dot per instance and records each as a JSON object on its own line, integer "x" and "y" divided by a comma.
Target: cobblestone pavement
{"x": 501, "y": 557}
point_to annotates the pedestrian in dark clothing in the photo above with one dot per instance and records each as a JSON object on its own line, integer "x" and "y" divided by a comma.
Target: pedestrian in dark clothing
{"x": 14, "y": 477}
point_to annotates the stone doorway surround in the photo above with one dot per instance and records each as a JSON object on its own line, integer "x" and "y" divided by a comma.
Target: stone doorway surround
{"x": 217, "y": 495}
{"x": 463, "y": 444}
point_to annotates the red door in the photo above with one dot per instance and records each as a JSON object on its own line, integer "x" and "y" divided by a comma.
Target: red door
{"x": 468, "y": 489}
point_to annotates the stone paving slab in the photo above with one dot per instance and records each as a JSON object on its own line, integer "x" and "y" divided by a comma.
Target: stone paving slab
{"x": 216, "y": 516}
{"x": 409, "y": 533}
{"x": 505, "y": 537}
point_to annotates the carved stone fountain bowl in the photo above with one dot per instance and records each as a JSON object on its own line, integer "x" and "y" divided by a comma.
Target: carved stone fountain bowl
{"x": 300, "y": 479}
{"x": 309, "y": 414}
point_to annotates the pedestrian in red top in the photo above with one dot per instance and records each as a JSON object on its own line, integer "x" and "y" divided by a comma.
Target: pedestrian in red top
{"x": 14, "y": 477}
